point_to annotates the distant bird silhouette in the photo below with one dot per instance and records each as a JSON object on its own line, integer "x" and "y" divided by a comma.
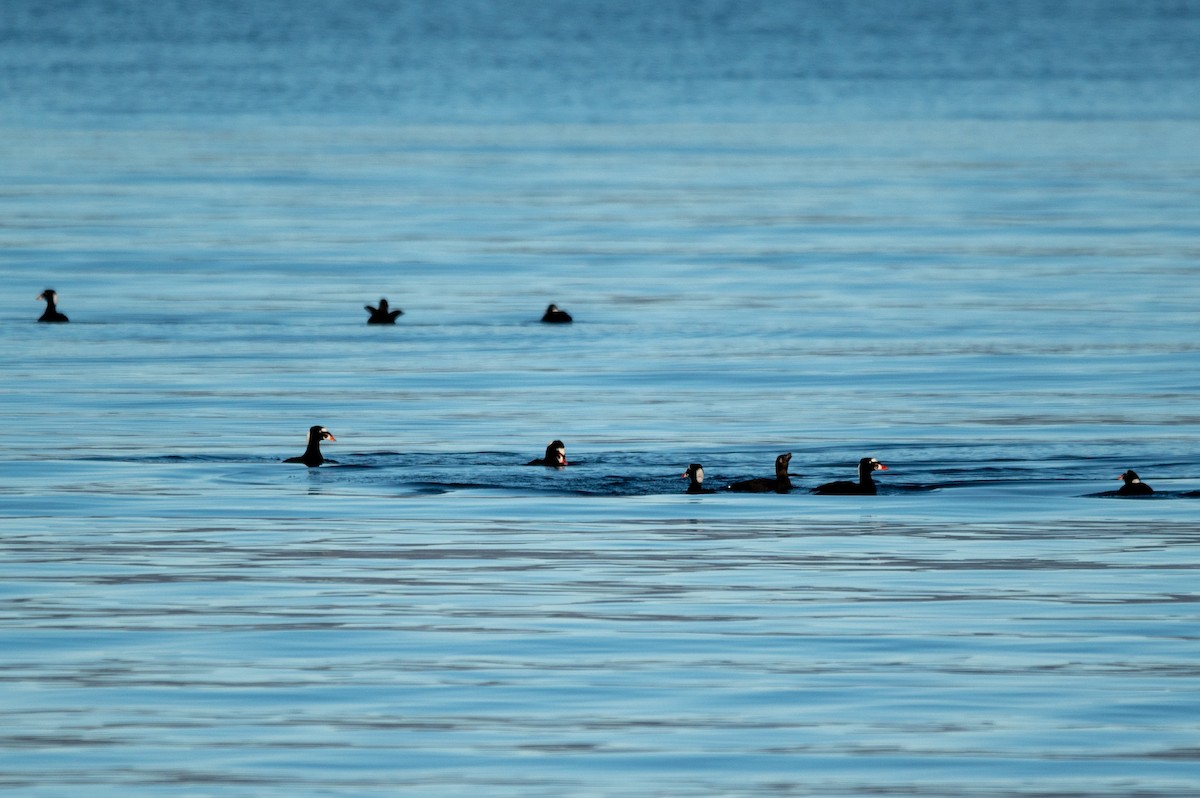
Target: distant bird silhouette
{"x": 50, "y": 297}
{"x": 1133, "y": 485}
{"x": 556, "y": 455}
{"x": 382, "y": 314}
{"x": 695, "y": 473}
{"x": 556, "y": 315}
{"x": 865, "y": 485}
{"x": 312, "y": 453}
{"x": 779, "y": 483}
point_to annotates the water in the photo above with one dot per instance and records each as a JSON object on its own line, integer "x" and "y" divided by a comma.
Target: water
{"x": 959, "y": 238}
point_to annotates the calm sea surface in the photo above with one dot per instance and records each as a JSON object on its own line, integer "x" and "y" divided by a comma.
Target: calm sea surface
{"x": 961, "y": 237}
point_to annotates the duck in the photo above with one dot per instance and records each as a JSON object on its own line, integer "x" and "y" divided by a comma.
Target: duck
{"x": 50, "y": 297}
{"x": 382, "y": 314}
{"x": 556, "y": 455}
{"x": 312, "y": 453}
{"x": 865, "y": 485}
{"x": 695, "y": 473}
{"x": 556, "y": 315}
{"x": 1133, "y": 485}
{"x": 779, "y": 483}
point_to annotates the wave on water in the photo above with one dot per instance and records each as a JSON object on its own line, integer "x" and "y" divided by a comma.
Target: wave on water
{"x": 1156, "y": 496}
{"x": 616, "y": 474}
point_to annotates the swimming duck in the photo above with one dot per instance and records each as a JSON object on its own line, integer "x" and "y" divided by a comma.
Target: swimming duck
{"x": 695, "y": 473}
{"x": 312, "y": 453}
{"x": 865, "y": 485}
{"x": 382, "y": 314}
{"x": 779, "y": 483}
{"x": 1133, "y": 485}
{"x": 556, "y": 315}
{"x": 50, "y": 297}
{"x": 556, "y": 456}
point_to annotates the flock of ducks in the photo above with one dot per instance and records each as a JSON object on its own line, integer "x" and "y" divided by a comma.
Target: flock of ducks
{"x": 381, "y": 314}
{"x": 556, "y": 457}
{"x": 386, "y": 315}
{"x": 782, "y": 483}
{"x": 556, "y": 452}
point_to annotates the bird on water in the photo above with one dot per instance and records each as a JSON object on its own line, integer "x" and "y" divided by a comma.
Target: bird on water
{"x": 865, "y": 485}
{"x": 51, "y": 314}
{"x": 312, "y": 456}
{"x": 556, "y": 455}
{"x": 382, "y": 314}
{"x": 556, "y": 315}
{"x": 779, "y": 483}
{"x": 1133, "y": 485}
{"x": 695, "y": 477}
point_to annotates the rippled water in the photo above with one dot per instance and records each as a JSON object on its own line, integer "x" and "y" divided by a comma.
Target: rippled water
{"x": 907, "y": 238}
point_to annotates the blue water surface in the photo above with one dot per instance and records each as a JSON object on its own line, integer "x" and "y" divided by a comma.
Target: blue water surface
{"x": 961, "y": 238}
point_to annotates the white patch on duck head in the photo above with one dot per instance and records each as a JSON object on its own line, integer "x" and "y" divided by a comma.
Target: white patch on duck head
{"x": 321, "y": 434}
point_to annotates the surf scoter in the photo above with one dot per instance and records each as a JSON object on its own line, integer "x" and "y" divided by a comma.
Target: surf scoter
{"x": 312, "y": 454}
{"x": 50, "y": 297}
{"x": 556, "y": 315}
{"x": 865, "y": 485}
{"x": 779, "y": 483}
{"x": 695, "y": 473}
{"x": 382, "y": 314}
{"x": 1133, "y": 485}
{"x": 556, "y": 456}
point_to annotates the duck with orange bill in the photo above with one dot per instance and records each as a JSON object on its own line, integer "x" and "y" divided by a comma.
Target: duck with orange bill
{"x": 312, "y": 456}
{"x": 865, "y": 486}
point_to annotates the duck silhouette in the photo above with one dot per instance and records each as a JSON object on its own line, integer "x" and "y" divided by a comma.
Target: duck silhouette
{"x": 51, "y": 314}
{"x": 312, "y": 453}
{"x": 556, "y": 315}
{"x": 865, "y": 485}
{"x": 556, "y": 455}
{"x": 695, "y": 475}
{"x": 779, "y": 483}
{"x": 382, "y": 314}
{"x": 1133, "y": 485}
